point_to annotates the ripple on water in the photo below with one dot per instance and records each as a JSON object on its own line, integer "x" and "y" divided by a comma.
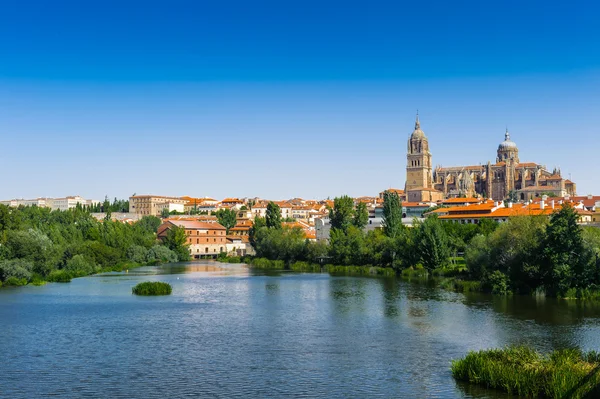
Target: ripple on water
{"x": 230, "y": 334}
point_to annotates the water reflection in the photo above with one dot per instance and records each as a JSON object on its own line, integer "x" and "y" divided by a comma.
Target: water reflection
{"x": 232, "y": 332}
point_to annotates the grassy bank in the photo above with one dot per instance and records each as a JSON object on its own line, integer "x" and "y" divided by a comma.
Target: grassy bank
{"x": 523, "y": 371}
{"x": 152, "y": 288}
{"x": 262, "y": 263}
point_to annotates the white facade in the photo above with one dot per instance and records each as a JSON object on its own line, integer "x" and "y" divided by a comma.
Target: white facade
{"x": 62, "y": 204}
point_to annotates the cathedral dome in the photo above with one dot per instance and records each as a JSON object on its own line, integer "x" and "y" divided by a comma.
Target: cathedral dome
{"x": 507, "y": 144}
{"x": 418, "y": 133}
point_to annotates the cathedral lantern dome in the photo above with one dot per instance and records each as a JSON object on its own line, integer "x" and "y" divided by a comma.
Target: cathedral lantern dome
{"x": 418, "y": 134}
{"x": 507, "y": 149}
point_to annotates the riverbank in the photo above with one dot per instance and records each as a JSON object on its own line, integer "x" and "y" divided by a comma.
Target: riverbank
{"x": 568, "y": 373}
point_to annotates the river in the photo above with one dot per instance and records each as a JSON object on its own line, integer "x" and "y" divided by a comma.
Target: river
{"x": 227, "y": 332}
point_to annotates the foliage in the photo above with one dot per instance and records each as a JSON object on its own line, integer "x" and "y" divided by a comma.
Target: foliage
{"x": 286, "y": 243}
{"x": 38, "y": 244}
{"x": 433, "y": 244}
{"x": 227, "y": 218}
{"x": 161, "y": 254}
{"x": 567, "y": 373}
{"x": 152, "y": 288}
{"x": 176, "y": 241}
{"x": 392, "y": 214}
{"x": 361, "y": 216}
{"x": 273, "y": 216}
{"x": 342, "y": 214}
{"x": 566, "y": 263}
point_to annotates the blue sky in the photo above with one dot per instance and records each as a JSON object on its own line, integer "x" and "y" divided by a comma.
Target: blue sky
{"x": 278, "y": 100}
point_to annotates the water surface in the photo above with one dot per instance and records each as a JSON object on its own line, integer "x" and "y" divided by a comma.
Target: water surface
{"x": 229, "y": 332}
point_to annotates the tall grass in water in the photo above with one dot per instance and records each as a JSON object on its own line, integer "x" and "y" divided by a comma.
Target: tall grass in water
{"x": 522, "y": 371}
{"x": 152, "y": 288}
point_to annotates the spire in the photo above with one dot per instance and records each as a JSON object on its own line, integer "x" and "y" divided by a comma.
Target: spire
{"x": 507, "y": 135}
{"x": 417, "y": 124}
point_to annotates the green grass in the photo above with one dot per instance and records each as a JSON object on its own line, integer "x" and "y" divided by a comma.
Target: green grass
{"x": 458, "y": 285}
{"x": 568, "y": 373}
{"x": 15, "y": 282}
{"x": 152, "y": 288}
{"x": 264, "y": 263}
{"x": 360, "y": 270}
{"x": 305, "y": 267}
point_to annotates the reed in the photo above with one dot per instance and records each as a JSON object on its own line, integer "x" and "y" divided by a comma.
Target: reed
{"x": 152, "y": 288}
{"x": 520, "y": 370}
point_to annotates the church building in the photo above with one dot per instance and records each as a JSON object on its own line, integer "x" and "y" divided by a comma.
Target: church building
{"x": 507, "y": 178}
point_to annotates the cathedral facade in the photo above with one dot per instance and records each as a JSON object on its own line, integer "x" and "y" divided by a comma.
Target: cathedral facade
{"x": 507, "y": 178}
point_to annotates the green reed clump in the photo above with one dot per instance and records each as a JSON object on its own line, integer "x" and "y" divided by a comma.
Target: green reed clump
{"x": 520, "y": 370}
{"x": 152, "y": 288}
{"x": 458, "y": 285}
{"x": 264, "y": 263}
{"x": 305, "y": 267}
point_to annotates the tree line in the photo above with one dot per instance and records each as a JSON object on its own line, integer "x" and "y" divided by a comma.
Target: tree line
{"x": 37, "y": 244}
{"x": 527, "y": 254}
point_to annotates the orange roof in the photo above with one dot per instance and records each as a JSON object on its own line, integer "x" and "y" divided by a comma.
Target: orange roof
{"x": 195, "y": 225}
{"x": 461, "y": 201}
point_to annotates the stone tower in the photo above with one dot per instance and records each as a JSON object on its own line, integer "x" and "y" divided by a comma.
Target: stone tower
{"x": 418, "y": 162}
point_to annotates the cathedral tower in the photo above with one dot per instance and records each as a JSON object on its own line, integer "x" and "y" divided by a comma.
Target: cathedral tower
{"x": 418, "y": 161}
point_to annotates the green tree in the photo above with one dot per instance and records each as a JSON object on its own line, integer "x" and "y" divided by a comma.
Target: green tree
{"x": 361, "y": 216}
{"x": 273, "y": 216}
{"x": 176, "y": 241}
{"x": 347, "y": 247}
{"x": 227, "y": 218}
{"x": 149, "y": 223}
{"x": 566, "y": 261}
{"x": 392, "y": 214}
{"x": 433, "y": 244}
{"x": 342, "y": 214}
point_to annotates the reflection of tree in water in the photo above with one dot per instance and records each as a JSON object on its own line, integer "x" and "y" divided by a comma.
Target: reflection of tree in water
{"x": 390, "y": 287}
{"x": 348, "y": 292}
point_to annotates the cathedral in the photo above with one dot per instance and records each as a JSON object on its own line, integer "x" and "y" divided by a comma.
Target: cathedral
{"x": 507, "y": 178}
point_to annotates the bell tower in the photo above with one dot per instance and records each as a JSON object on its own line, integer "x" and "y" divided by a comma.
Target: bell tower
{"x": 418, "y": 161}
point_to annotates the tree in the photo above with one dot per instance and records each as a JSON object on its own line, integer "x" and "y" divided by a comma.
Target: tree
{"x": 164, "y": 213}
{"x": 227, "y": 218}
{"x": 392, "y": 214}
{"x": 433, "y": 244}
{"x": 342, "y": 214}
{"x": 512, "y": 196}
{"x": 566, "y": 261}
{"x": 273, "y": 216}
{"x": 176, "y": 241}
{"x": 361, "y": 216}
{"x": 149, "y": 223}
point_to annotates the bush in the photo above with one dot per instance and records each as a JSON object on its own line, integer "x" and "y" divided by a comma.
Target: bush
{"x": 567, "y": 373}
{"x": 152, "y": 288}
{"x": 17, "y": 268}
{"x": 78, "y": 265}
{"x": 499, "y": 283}
{"x": 59, "y": 276}
{"x": 161, "y": 254}
{"x": 15, "y": 282}
{"x": 137, "y": 254}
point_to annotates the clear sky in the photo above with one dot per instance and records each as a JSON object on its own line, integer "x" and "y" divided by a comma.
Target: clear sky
{"x": 283, "y": 99}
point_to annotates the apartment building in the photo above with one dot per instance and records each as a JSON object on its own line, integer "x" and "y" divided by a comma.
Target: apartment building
{"x": 152, "y": 205}
{"x": 205, "y": 239}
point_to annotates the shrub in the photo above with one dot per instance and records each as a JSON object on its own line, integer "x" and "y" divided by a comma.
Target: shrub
{"x": 16, "y": 282}
{"x": 78, "y": 265}
{"x": 161, "y": 254}
{"x": 17, "y": 268}
{"x": 59, "y": 276}
{"x": 137, "y": 254}
{"x": 567, "y": 373}
{"x": 499, "y": 283}
{"x": 152, "y": 288}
